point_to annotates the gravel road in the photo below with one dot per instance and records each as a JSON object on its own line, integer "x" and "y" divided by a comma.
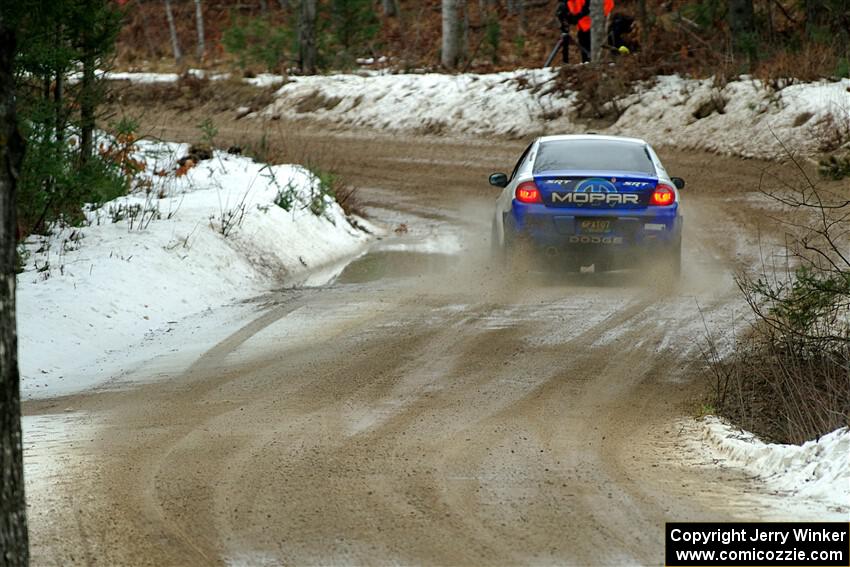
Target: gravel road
{"x": 425, "y": 408}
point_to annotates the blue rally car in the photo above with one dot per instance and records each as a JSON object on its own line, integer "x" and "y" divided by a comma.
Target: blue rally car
{"x": 590, "y": 199}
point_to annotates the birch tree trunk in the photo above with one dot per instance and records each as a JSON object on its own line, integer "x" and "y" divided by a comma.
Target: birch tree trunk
{"x": 199, "y": 25}
{"x": 264, "y": 7}
{"x": 14, "y": 546}
{"x": 309, "y": 55}
{"x": 451, "y": 35}
{"x": 175, "y": 44}
{"x": 597, "y": 30}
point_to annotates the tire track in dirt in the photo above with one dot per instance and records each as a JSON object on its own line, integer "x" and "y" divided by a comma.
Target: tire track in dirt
{"x": 419, "y": 418}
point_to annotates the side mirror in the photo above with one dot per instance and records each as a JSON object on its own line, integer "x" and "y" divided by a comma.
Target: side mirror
{"x": 499, "y": 180}
{"x": 678, "y": 182}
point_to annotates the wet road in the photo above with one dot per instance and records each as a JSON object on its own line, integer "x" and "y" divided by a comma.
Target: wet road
{"x": 424, "y": 407}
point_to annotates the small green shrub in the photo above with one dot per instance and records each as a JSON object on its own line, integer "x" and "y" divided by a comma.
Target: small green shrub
{"x": 285, "y": 198}
{"x": 835, "y": 168}
{"x": 208, "y": 131}
{"x": 842, "y": 68}
{"x": 353, "y": 26}
{"x": 54, "y": 187}
{"x": 492, "y": 38}
{"x": 259, "y": 41}
{"x": 325, "y": 186}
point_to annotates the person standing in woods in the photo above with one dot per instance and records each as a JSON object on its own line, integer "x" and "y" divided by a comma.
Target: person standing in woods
{"x": 577, "y": 13}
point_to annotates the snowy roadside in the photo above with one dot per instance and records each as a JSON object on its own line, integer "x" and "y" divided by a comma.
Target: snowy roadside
{"x": 171, "y": 269}
{"x": 743, "y": 118}
{"x": 812, "y": 480}
{"x": 512, "y": 103}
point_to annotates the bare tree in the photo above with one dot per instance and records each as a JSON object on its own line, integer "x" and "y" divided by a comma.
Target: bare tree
{"x": 643, "y": 18}
{"x": 199, "y": 25}
{"x": 389, "y": 7}
{"x": 597, "y": 30}
{"x": 816, "y": 12}
{"x": 14, "y": 545}
{"x": 464, "y": 29}
{"x": 451, "y": 35}
{"x": 146, "y": 28}
{"x": 523, "y": 16}
{"x": 742, "y": 23}
{"x": 309, "y": 53}
{"x": 175, "y": 44}
{"x": 88, "y": 104}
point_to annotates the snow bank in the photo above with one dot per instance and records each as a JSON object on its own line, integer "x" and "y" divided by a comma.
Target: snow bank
{"x": 147, "y": 261}
{"x": 816, "y": 474}
{"x": 743, "y": 117}
{"x": 510, "y": 103}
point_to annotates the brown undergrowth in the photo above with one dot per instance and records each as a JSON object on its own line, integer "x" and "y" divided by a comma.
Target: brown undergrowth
{"x": 788, "y": 377}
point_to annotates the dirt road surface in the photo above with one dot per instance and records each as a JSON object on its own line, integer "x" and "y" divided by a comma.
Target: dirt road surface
{"x": 424, "y": 408}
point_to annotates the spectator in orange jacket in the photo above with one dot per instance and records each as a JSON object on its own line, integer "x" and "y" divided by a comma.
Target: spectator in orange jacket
{"x": 577, "y": 13}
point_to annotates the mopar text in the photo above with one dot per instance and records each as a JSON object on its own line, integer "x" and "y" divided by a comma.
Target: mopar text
{"x": 591, "y": 198}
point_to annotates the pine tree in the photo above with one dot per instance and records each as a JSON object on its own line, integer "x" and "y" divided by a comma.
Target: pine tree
{"x": 353, "y": 26}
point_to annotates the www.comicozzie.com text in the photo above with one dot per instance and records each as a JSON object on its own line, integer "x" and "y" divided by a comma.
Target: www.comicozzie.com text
{"x": 755, "y": 534}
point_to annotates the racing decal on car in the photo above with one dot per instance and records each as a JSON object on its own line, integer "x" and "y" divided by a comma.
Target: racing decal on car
{"x": 591, "y": 198}
{"x": 585, "y": 239}
{"x": 595, "y": 190}
{"x": 595, "y": 185}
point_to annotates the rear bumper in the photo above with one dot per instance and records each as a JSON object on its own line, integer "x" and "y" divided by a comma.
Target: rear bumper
{"x": 563, "y": 228}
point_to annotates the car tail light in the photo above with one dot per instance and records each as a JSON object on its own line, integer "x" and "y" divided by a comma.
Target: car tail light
{"x": 527, "y": 192}
{"x": 663, "y": 195}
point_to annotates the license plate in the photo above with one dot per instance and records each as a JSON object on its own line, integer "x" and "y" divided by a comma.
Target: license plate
{"x": 595, "y": 226}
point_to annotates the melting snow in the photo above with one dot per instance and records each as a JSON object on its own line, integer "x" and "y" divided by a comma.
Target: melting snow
{"x": 814, "y": 477}
{"x": 90, "y": 296}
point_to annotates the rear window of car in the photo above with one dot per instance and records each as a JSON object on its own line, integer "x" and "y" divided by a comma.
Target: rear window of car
{"x": 593, "y": 155}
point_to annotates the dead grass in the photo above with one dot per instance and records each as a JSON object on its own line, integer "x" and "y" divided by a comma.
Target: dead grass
{"x": 316, "y": 100}
{"x": 191, "y": 93}
{"x": 788, "y": 378}
{"x": 274, "y": 146}
{"x": 811, "y": 63}
{"x": 775, "y": 387}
